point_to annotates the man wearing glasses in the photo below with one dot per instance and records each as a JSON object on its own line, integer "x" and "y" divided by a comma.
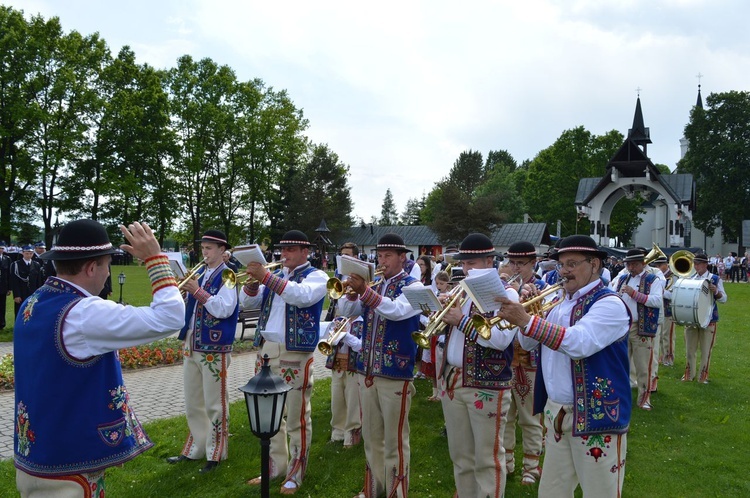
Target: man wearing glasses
{"x": 583, "y": 384}
{"x": 521, "y": 257}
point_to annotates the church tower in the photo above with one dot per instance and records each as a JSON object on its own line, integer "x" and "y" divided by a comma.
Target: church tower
{"x": 684, "y": 141}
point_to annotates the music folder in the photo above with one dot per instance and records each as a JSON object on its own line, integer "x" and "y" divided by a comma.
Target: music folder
{"x": 483, "y": 286}
{"x": 421, "y": 298}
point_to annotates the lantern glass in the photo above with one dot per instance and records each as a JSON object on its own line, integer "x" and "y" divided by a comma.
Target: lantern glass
{"x": 121, "y": 278}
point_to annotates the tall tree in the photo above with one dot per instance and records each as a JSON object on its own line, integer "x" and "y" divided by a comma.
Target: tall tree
{"x": 719, "y": 159}
{"x": 18, "y": 116}
{"x": 320, "y": 190}
{"x": 461, "y": 203}
{"x": 412, "y": 214}
{"x": 388, "y": 212}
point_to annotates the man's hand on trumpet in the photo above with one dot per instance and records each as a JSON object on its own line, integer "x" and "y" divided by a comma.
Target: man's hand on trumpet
{"x": 190, "y": 285}
{"x": 454, "y": 315}
{"x": 513, "y": 312}
{"x": 257, "y": 271}
{"x": 357, "y": 283}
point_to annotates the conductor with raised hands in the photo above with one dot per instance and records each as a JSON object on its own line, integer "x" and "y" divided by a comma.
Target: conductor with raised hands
{"x": 64, "y": 345}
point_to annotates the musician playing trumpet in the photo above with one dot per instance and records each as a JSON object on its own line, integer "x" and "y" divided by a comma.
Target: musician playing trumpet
{"x": 346, "y": 421}
{"x": 583, "y": 385}
{"x": 290, "y": 301}
{"x": 386, "y": 369}
{"x": 210, "y": 323}
{"x": 477, "y": 376}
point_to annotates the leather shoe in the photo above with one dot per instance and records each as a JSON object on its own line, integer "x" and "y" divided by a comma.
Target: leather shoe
{"x": 178, "y": 459}
{"x": 210, "y": 465}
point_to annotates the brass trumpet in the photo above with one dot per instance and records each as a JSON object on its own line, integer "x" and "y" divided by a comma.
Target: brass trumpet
{"x": 338, "y": 328}
{"x": 230, "y": 279}
{"x": 191, "y": 274}
{"x": 337, "y": 288}
{"x": 534, "y": 306}
{"x": 436, "y": 325}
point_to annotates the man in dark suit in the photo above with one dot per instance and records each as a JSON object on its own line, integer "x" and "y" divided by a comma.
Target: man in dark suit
{"x": 25, "y": 277}
{"x": 4, "y": 282}
{"x": 48, "y": 267}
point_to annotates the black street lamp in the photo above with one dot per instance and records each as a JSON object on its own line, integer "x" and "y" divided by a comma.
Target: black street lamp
{"x": 121, "y": 279}
{"x": 265, "y": 396}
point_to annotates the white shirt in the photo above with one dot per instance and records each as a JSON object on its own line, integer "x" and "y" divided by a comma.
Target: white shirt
{"x": 220, "y": 305}
{"x": 606, "y": 321}
{"x": 96, "y": 326}
{"x": 499, "y": 339}
{"x": 654, "y": 299}
{"x": 719, "y": 288}
{"x": 302, "y": 295}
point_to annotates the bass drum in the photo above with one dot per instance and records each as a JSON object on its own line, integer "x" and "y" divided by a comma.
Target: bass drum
{"x": 692, "y": 302}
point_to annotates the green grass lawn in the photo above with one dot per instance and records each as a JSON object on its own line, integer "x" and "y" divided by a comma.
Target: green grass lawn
{"x": 690, "y": 445}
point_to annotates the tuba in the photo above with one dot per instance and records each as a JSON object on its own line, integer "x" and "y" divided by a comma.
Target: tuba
{"x": 681, "y": 264}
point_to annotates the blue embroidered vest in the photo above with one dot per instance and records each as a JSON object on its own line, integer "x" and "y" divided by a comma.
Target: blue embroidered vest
{"x": 601, "y": 382}
{"x": 667, "y": 302}
{"x": 302, "y": 325}
{"x": 351, "y": 355}
{"x": 388, "y": 349}
{"x": 213, "y": 335}
{"x": 648, "y": 318}
{"x": 72, "y": 416}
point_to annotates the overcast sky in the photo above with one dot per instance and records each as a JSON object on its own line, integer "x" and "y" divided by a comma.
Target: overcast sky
{"x": 399, "y": 89}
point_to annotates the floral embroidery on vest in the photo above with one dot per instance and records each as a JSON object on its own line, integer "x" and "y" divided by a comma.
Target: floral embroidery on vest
{"x": 26, "y": 436}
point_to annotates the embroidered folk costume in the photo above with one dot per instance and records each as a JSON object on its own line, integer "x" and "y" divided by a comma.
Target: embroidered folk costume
{"x": 291, "y": 301}
{"x": 65, "y": 344}
{"x": 696, "y": 336}
{"x": 210, "y": 323}
{"x": 386, "y": 367}
{"x": 521, "y": 406}
{"x": 644, "y": 301}
{"x": 477, "y": 375}
{"x": 582, "y": 384}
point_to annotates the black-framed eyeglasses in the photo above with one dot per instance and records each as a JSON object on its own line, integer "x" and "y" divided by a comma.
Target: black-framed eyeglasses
{"x": 571, "y": 265}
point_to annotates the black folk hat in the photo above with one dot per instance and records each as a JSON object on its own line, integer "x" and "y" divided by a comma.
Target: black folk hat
{"x": 216, "y": 236}
{"x": 521, "y": 249}
{"x": 700, "y": 257}
{"x": 475, "y": 245}
{"x": 294, "y": 238}
{"x": 578, "y": 243}
{"x": 661, "y": 260}
{"x": 81, "y": 239}
{"x": 634, "y": 255}
{"x": 393, "y": 242}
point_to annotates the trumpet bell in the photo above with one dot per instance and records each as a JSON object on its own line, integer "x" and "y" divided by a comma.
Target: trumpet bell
{"x": 335, "y": 288}
{"x": 654, "y": 254}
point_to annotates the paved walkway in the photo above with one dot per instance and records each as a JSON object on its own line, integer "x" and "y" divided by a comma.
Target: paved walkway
{"x": 154, "y": 392}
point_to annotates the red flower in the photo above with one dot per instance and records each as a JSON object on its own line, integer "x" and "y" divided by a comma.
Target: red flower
{"x": 607, "y": 439}
{"x": 479, "y": 404}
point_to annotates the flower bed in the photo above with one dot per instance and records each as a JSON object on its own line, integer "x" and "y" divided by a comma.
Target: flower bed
{"x": 158, "y": 353}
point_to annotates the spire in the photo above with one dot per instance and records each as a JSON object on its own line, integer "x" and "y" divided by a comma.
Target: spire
{"x": 699, "y": 102}
{"x": 639, "y": 134}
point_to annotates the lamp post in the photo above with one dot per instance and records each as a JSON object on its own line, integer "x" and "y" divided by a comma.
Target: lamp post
{"x": 265, "y": 396}
{"x": 121, "y": 279}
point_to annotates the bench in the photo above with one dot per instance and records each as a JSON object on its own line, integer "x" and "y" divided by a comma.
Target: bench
{"x": 249, "y": 320}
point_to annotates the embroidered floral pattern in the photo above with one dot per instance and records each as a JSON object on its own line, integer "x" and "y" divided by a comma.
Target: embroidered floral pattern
{"x": 26, "y": 436}
{"x": 289, "y": 374}
{"x": 483, "y": 396}
{"x": 214, "y": 364}
{"x": 601, "y": 392}
{"x": 29, "y": 308}
{"x": 597, "y": 443}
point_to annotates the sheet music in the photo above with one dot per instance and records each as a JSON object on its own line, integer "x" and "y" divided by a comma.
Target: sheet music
{"x": 249, "y": 254}
{"x": 176, "y": 264}
{"x": 483, "y": 286}
{"x": 421, "y": 298}
{"x": 349, "y": 265}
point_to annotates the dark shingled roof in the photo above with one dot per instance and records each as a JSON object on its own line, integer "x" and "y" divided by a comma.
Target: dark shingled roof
{"x": 536, "y": 233}
{"x": 418, "y": 235}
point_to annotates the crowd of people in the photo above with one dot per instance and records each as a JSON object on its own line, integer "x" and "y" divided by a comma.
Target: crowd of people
{"x": 562, "y": 370}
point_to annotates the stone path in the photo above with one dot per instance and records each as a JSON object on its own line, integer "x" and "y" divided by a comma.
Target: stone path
{"x": 154, "y": 392}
